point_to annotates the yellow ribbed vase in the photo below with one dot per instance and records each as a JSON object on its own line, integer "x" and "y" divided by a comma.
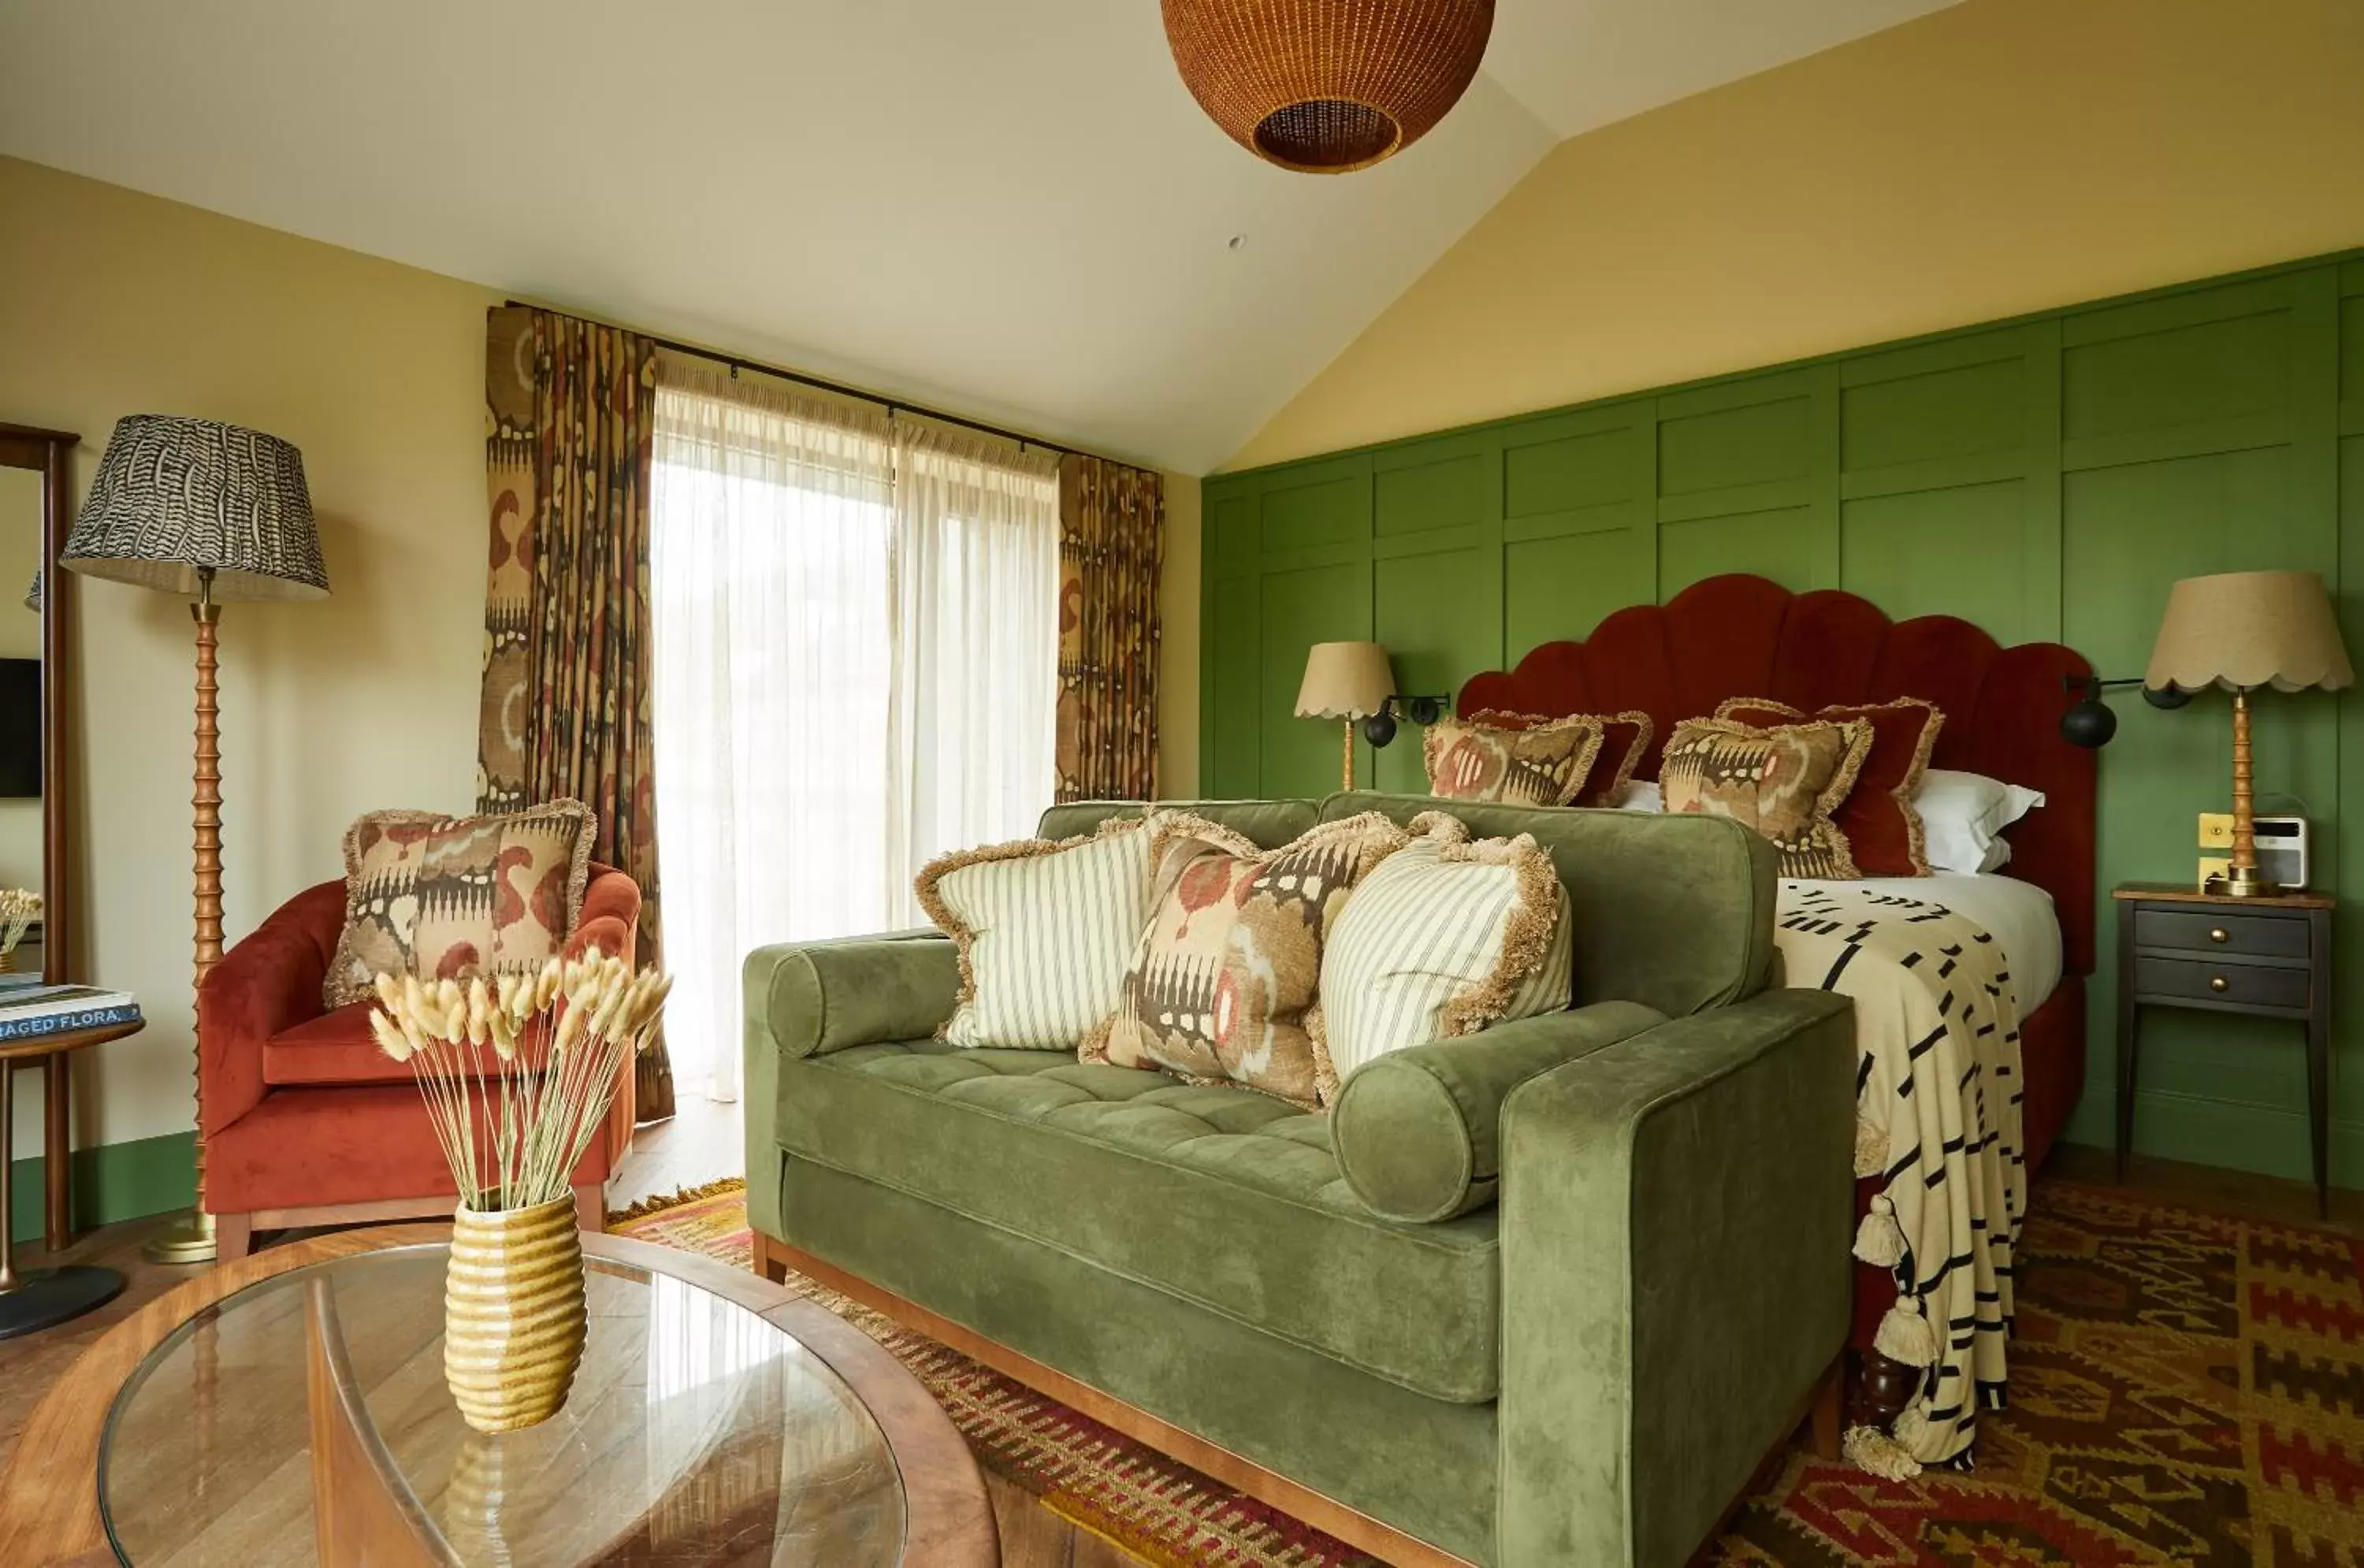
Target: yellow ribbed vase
{"x": 513, "y": 1314}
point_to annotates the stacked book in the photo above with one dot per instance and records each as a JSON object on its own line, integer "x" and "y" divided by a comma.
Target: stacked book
{"x": 27, "y": 1011}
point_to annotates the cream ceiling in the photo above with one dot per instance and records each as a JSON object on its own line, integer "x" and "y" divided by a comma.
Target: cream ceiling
{"x": 1011, "y": 207}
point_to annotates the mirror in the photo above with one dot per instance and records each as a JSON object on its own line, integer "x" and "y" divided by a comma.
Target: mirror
{"x": 32, "y": 525}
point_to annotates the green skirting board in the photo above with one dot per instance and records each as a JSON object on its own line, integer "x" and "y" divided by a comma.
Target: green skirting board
{"x": 112, "y": 1182}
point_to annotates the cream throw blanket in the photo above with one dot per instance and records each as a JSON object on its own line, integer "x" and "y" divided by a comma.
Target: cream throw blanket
{"x": 1937, "y": 1109}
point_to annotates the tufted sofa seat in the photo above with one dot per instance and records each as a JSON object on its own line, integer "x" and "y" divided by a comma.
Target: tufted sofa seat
{"x": 1253, "y": 1220}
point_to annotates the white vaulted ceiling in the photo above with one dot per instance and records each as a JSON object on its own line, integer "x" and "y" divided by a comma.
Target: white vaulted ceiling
{"x": 1011, "y": 207}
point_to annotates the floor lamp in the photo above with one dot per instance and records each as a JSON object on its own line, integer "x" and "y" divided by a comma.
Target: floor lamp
{"x": 206, "y": 511}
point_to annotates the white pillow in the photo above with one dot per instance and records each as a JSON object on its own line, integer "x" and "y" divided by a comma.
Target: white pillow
{"x": 1442, "y": 938}
{"x": 1641, "y": 795}
{"x": 1963, "y": 816}
{"x": 1045, "y": 931}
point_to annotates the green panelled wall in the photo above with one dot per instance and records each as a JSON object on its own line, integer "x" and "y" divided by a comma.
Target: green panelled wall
{"x": 2046, "y": 478}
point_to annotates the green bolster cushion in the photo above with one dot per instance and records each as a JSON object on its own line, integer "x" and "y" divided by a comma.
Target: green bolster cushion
{"x": 816, "y": 997}
{"x": 1418, "y": 1132}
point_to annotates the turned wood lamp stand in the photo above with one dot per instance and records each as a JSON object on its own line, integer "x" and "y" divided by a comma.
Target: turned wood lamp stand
{"x": 210, "y": 512}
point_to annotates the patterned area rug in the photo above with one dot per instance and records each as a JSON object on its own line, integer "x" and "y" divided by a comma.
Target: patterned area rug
{"x": 2186, "y": 1389}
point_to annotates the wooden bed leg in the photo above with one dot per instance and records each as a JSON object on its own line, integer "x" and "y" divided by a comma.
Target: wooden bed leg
{"x": 1881, "y": 1389}
{"x": 1830, "y": 1400}
{"x": 591, "y": 1207}
{"x": 767, "y": 1258}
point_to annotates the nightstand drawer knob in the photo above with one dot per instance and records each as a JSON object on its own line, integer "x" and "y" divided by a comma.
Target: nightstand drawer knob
{"x": 2218, "y": 983}
{"x": 2219, "y": 934}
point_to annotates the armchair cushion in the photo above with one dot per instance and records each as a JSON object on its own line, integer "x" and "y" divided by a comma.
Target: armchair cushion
{"x": 431, "y": 894}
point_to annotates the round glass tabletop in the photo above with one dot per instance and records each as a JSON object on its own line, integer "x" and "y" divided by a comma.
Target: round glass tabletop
{"x": 696, "y": 1432}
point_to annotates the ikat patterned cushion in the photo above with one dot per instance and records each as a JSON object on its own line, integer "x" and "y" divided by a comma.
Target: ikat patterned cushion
{"x": 1443, "y": 938}
{"x": 1225, "y": 984}
{"x": 1883, "y": 828}
{"x": 436, "y": 895}
{"x": 1044, "y": 930}
{"x": 1784, "y": 783}
{"x": 1539, "y": 762}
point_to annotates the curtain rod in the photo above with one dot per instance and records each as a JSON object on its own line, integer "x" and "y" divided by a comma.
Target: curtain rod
{"x": 893, "y": 406}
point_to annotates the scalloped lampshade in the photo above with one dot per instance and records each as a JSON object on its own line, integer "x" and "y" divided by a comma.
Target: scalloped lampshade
{"x": 2241, "y": 631}
{"x": 1327, "y": 86}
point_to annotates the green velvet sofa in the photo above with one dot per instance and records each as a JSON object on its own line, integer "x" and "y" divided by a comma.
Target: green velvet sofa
{"x": 1546, "y": 1296}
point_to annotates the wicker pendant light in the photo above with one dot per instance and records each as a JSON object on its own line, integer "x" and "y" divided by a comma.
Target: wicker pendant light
{"x": 1325, "y": 86}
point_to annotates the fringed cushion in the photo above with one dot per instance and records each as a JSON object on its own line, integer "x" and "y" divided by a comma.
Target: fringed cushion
{"x": 1883, "y": 828}
{"x": 1443, "y": 938}
{"x": 1783, "y": 782}
{"x": 436, "y": 895}
{"x": 1530, "y": 762}
{"x": 1044, "y": 928}
{"x": 1225, "y": 984}
{"x": 1624, "y": 741}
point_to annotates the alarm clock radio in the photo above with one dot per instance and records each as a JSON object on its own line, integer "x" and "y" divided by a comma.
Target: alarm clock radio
{"x": 2282, "y": 848}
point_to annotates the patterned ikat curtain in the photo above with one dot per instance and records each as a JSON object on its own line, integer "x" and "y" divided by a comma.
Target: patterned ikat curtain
{"x": 567, "y": 681}
{"x": 1112, "y": 544}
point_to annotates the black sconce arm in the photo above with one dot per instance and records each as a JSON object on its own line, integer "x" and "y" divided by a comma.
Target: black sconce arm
{"x": 2090, "y": 723}
{"x": 1381, "y": 727}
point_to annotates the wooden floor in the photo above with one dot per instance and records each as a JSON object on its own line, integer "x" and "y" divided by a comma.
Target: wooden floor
{"x": 701, "y": 1144}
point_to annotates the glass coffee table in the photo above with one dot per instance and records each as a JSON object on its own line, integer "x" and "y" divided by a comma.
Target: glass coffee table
{"x": 715, "y": 1419}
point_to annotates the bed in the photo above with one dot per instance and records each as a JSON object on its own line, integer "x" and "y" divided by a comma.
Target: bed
{"x": 1741, "y": 636}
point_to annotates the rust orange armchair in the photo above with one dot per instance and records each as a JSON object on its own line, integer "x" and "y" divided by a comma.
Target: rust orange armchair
{"x": 304, "y": 1121}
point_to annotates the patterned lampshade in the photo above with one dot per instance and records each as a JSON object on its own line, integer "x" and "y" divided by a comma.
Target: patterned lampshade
{"x": 177, "y": 497}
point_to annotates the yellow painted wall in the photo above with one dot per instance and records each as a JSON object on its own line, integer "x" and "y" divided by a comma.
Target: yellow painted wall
{"x": 1998, "y": 157}
{"x": 114, "y": 303}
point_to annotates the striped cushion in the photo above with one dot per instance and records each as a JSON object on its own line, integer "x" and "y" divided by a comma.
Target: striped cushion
{"x": 1444, "y": 937}
{"x": 1045, "y": 932}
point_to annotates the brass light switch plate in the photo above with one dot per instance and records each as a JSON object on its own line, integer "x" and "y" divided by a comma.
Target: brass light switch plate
{"x": 2215, "y": 869}
{"x": 2215, "y": 830}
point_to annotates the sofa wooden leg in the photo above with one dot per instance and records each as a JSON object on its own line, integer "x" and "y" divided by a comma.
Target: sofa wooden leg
{"x": 767, "y": 1260}
{"x": 1830, "y": 1402}
{"x": 591, "y": 1207}
{"x": 233, "y": 1237}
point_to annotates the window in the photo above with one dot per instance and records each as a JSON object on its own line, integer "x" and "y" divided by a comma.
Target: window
{"x": 855, "y": 629}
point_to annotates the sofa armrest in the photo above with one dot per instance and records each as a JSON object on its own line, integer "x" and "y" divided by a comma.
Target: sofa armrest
{"x": 268, "y": 981}
{"x": 1676, "y": 1210}
{"x": 806, "y": 999}
{"x": 1418, "y": 1132}
{"x": 610, "y": 918}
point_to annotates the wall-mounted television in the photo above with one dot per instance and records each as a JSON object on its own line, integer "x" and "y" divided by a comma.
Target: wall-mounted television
{"x": 20, "y": 729}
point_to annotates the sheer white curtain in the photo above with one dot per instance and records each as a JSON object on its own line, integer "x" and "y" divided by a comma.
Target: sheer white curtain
{"x": 856, "y": 661}
{"x": 973, "y": 747}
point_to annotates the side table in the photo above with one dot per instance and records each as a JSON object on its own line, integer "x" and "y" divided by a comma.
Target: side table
{"x": 40, "y": 1298}
{"x": 2265, "y": 957}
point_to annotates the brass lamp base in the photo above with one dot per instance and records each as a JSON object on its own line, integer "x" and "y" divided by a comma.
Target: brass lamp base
{"x": 190, "y": 1241}
{"x": 2246, "y": 881}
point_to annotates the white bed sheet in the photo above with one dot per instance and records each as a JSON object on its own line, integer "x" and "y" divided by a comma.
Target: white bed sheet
{"x": 2019, "y": 915}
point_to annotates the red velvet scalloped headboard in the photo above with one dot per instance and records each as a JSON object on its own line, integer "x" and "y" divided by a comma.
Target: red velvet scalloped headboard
{"x": 1741, "y": 636}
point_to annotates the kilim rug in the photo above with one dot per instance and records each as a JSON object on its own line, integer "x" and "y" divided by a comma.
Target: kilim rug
{"x": 2186, "y": 1388}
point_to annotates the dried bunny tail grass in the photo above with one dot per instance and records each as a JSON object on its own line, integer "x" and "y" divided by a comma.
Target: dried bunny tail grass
{"x": 1526, "y": 935}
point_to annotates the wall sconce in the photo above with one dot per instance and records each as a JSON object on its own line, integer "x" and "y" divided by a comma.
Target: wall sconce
{"x": 1381, "y": 727}
{"x": 2090, "y": 723}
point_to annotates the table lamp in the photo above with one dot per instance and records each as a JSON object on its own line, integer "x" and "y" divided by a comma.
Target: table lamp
{"x": 2242, "y": 630}
{"x": 1345, "y": 681}
{"x": 206, "y": 511}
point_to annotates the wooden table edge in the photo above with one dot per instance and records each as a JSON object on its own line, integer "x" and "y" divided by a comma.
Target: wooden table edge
{"x": 49, "y": 1491}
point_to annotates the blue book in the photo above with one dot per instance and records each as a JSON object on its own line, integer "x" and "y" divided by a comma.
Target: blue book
{"x": 28, "y": 1012}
